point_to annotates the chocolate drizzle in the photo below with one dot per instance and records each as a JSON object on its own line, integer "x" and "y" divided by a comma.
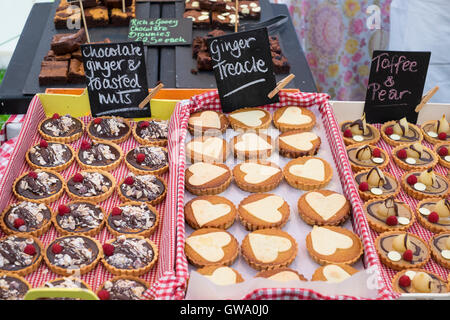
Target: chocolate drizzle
{"x": 43, "y": 186}
{"x": 130, "y": 253}
{"x": 155, "y": 158}
{"x": 417, "y": 249}
{"x": 109, "y": 128}
{"x": 12, "y": 255}
{"x": 99, "y": 154}
{"x": 77, "y": 251}
{"x": 154, "y": 131}
{"x": 124, "y": 289}
{"x": 12, "y": 288}
{"x": 64, "y": 126}
{"x": 133, "y": 219}
{"x": 34, "y": 215}
{"x": 55, "y": 154}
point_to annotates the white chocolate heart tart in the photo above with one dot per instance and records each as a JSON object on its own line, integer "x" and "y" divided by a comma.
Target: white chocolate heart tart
{"x": 308, "y": 173}
{"x": 294, "y": 118}
{"x": 210, "y": 211}
{"x": 257, "y": 176}
{"x": 203, "y": 178}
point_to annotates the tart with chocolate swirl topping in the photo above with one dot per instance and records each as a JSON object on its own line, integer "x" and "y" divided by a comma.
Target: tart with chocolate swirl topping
{"x": 50, "y": 155}
{"x": 64, "y": 129}
{"x": 388, "y": 215}
{"x": 366, "y": 156}
{"x": 418, "y": 281}
{"x": 436, "y": 131}
{"x": 41, "y": 186}
{"x": 65, "y": 283}
{"x": 20, "y": 254}
{"x": 99, "y": 155}
{"x": 153, "y": 132}
{"x": 443, "y": 154}
{"x": 425, "y": 184}
{"x": 26, "y": 217}
{"x": 79, "y": 217}
{"x": 440, "y": 248}
{"x": 109, "y": 129}
{"x": 143, "y": 188}
{"x": 434, "y": 214}
{"x": 148, "y": 159}
{"x": 414, "y": 157}
{"x": 133, "y": 217}
{"x": 91, "y": 185}
{"x": 376, "y": 184}
{"x": 122, "y": 288}
{"x": 13, "y": 287}
{"x": 357, "y": 132}
{"x": 400, "y": 132}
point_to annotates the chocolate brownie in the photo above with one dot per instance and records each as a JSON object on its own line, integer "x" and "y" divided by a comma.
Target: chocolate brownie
{"x": 76, "y": 72}
{"x": 249, "y": 10}
{"x": 274, "y": 44}
{"x": 200, "y": 19}
{"x": 213, "y": 5}
{"x": 120, "y": 18}
{"x": 53, "y": 72}
{"x": 204, "y": 61}
{"x": 63, "y": 43}
{"x": 52, "y": 56}
{"x": 215, "y": 33}
{"x": 280, "y": 63}
{"x": 225, "y": 20}
{"x": 117, "y": 3}
{"x": 96, "y": 16}
{"x": 66, "y": 14}
{"x": 198, "y": 45}
{"x": 191, "y": 5}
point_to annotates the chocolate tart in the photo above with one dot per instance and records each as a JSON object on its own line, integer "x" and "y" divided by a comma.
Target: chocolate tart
{"x": 420, "y": 191}
{"x": 371, "y": 136}
{"x": 425, "y": 208}
{"x": 269, "y": 249}
{"x": 40, "y": 186}
{"x": 250, "y": 118}
{"x": 210, "y": 212}
{"x": 392, "y": 258}
{"x": 429, "y": 133}
{"x": 443, "y": 154}
{"x": 151, "y": 132}
{"x": 323, "y": 208}
{"x": 379, "y": 211}
{"x": 421, "y": 161}
{"x": 123, "y": 288}
{"x": 308, "y": 173}
{"x": 83, "y": 218}
{"x": 333, "y": 273}
{"x": 203, "y": 178}
{"x": 133, "y": 218}
{"x": 366, "y": 156}
{"x": 50, "y": 155}
{"x": 388, "y": 187}
{"x": 414, "y": 135}
{"x": 421, "y": 281}
{"x": 13, "y": 287}
{"x": 129, "y": 255}
{"x": 142, "y": 188}
{"x": 66, "y": 283}
{"x": 148, "y": 159}
{"x": 297, "y": 143}
{"x": 96, "y": 186}
{"x": 207, "y": 149}
{"x": 109, "y": 129}
{"x": 263, "y": 210}
{"x": 293, "y": 118}
{"x": 221, "y": 275}
{"x": 281, "y": 274}
{"x": 99, "y": 155}
{"x": 26, "y": 217}
{"x": 330, "y": 244}
{"x": 440, "y": 248}
{"x": 208, "y": 122}
{"x": 63, "y": 129}
{"x": 211, "y": 246}
{"x": 257, "y": 176}
{"x": 20, "y": 254}
{"x": 251, "y": 145}
{"x": 72, "y": 254}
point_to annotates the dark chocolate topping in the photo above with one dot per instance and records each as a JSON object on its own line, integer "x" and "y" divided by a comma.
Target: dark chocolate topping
{"x": 12, "y": 288}
{"x": 12, "y": 255}
{"x": 33, "y": 214}
{"x": 93, "y": 184}
{"x": 64, "y": 126}
{"x": 124, "y": 289}
{"x": 76, "y": 251}
{"x": 109, "y": 128}
{"x": 54, "y": 155}
{"x": 155, "y": 130}
{"x": 145, "y": 188}
{"x": 133, "y": 219}
{"x": 45, "y": 185}
{"x": 99, "y": 154}
{"x": 155, "y": 158}
{"x": 130, "y": 253}
{"x": 82, "y": 217}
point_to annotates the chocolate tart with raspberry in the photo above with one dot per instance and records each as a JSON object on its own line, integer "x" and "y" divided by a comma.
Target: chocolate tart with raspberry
{"x": 418, "y": 281}
{"x": 414, "y": 157}
{"x": 400, "y": 132}
{"x": 13, "y": 287}
{"x": 366, "y": 156}
{"x": 147, "y": 159}
{"x": 50, "y": 155}
{"x": 63, "y": 129}
{"x": 123, "y": 288}
{"x": 388, "y": 215}
{"x": 153, "y": 132}
{"x": 356, "y": 132}
{"x": 133, "y": 218}
{"x": 376, "y": 184}
{"x": 440, "y": 248}
{"x": 41, "y": 186}
{"x": 434, "y": 214}
{"x": 129, "y": 255}
{"x": 436, "y": 131}
{"x": 442, "y": 151}
{"x": 65, "y": 283}
{"x": 435, "y": 185}
{"x": 26, "y": 217}
{"x": 91, "y": 185}
{"x": 79, "y": 217}
{"x": 208, "y": 122}
{"x": 20, "y": 254}
{"x": 72, "y": 254}
{"x": 143, "y": 188}
{"x": 99, "y": 155}
{"x": 109, "y": 129}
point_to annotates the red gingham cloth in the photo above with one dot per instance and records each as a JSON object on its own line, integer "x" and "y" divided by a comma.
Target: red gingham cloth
{"x": 210, "y": 100}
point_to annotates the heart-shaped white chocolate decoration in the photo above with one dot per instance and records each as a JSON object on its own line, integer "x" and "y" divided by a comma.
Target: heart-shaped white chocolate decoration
{"x": 266, "y": 209}
{"x": 223, "y": 276}
{"x": 252, "y": 142}
{"x": 210, "y": 245}
{"x": 257, "y": 173}
{"x": 250, "y": 118}
{"x": 266, "y": 247}
{"x": 325, "y": 206}
{"x": 300, "y": 141}
{"x": 313, "y": 169}
{"x": 335, "y": 274}
{"x": 284, "y": 276}
{"x": 211, "y": 147}
{"x": 203, "y": 172}
{"x": 204, "y": 211}
{"x": 294, "y": 116}
{"x": 208, "y": 119}
{"x": 326, "y": 241}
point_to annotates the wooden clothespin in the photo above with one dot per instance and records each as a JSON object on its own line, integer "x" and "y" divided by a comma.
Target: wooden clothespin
{"x": 280, "y": 85}
{"x": 151, "y": 95}
{"x": 84, "y": 22}
{"x": 426, "y": 98}
{"x": 123, "y": 6}
{"x": 236, "y": 22}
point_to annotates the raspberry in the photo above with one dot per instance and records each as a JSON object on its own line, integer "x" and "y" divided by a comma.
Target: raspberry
{"x": 78, "y": 177}
{"x": 443, "y": 151}
{"x": 442, "y": 136}
{"x": 348, "y": 133}
{"x": 412, "y": 180}
{"x": 108, "y": 249}
{"x": 391, "y": 221}
{"x": 43, "y": 144}
{"x": 85, "y": 145}
{"x": 140, "y": 157}
{"x": 63, "y": 209}
{"x": 408, "y": 255}
{"x": 389, "y": 131}
{"x": 116, "y": 211}
{"x": 98, "y": 120}
{"x": 57, "y": 248}
{"x": 402, "y": 154}
{"x": 32, "y": 174}
{"x": 144, "y": 124}
{"x": 376, "y": 153}
{"x": 433, "y": 217}
{"x": 56, "y": 116}
{"x": 364, "y": 186}
{"x": 29, "y": 249}
{"x": 404, "y": 281}
{"x": 103, "y": 295}
{"x": 129, "y": 181}
{"x": 18, "y": 223}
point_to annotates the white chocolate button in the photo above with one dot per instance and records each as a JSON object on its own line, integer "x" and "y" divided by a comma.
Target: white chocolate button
{"x": 424, "y": 211}
{"x": 394, "y": 136}
{"x": 358, "y": 138}
{"x": 420, "y": 186}
{"x": 403, "y": 220}
{"x": 410, "y": 274}
{"x": 376, "y": 191}
{"x": 446, "y": 254}
{"x": 410, "y": 161}
{"x": 394, "y": 256}
{"x": 378, "y": 160}
{"x": 432, "y": 134}
{"x": 447, "y": 158}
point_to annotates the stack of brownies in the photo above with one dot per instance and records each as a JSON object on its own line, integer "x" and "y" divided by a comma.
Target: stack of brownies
{"x": 98, "y": 13}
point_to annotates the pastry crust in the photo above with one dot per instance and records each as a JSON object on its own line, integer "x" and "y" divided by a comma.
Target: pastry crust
{"x": 204, "y": 130}
{"x": 427, "y": 137}
{"x": 239, "y": 126}
{"x": 357, "y": 168}
{"x": 100, "y": 197}
{"x": 35, "y": 233}
{"x": 154, "y": 202}
{"x": 395, "y": 143}
{"x": 373, "y": 141}
{"x": 116, "y": 141}
{"x": 408, "y": 167}
{"x": 55, "y": 168}
{"x": 66, "y": 140}
{"x": 367, "y": 195}
{"x": 33, "y": 267}
{"x": 442, "y": 162}
{"x": 418, "y": 194}
{"x": 195, "y": 156}
{"x": 45, "y": 200}
{"x": 378, "y": 227}
{"x": 212, "y": 187}
{"x": 319, "y": 276}
{"x": 252, "y": 154}
{"x": 267, "y": 185}
{"x": 110, "y": 167}
{"x": 303, "y": 183}
{"x": 284, "y": 127}
{"x": 433, "y": 227}
{"x": 138, "y": 171}
{"x": 290, "y": 151}
{"x": 222, "y": 222}
{"x": 142, "y": 141}
{"x": 124, "y": 277}
{"x": 272, "y": 272}
{"x": 435, "y": 254}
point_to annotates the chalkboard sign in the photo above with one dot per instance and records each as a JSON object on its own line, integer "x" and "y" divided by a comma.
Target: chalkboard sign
{"x": 161, "y": 32}
{"x": 116, "y": 78}
{"x": 396, "y": 83}
{"x": 243, "y": 69}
